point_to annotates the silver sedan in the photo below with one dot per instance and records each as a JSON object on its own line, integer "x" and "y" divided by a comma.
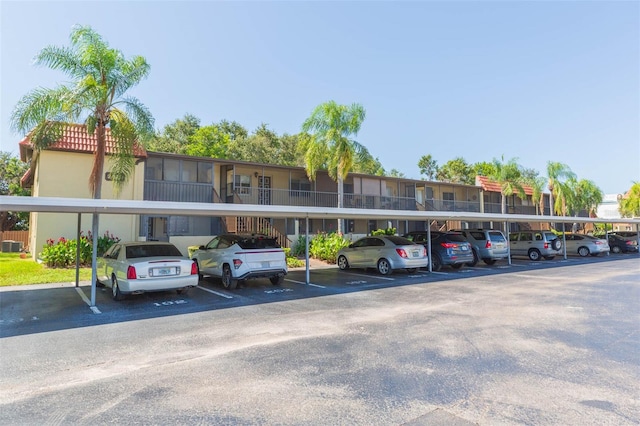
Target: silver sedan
{"x": 585, "y": 245}
{"x": 385, "y": 253}
{"x": 138, "y": 267}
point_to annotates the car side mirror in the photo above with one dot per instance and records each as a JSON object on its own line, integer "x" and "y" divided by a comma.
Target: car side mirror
{"x": 202, "y": 248}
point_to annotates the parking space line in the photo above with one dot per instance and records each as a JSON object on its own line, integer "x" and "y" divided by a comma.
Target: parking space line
{"x": 94, "y": 309}
{"x": 303, "y": 283}
{"x": 370, "y": 276}
{"x": 215, "y": 292}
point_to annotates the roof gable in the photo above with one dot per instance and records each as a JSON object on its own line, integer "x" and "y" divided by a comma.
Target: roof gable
{"x": 75, "y": 138}
{"x": 491, "y": 186}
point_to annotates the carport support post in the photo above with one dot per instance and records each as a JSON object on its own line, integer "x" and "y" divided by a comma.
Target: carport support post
{"x": 507, "y": 226}
{"x": 94, "y": 257}
{"x": 564, "y": 242}
{"x": 429, "y": 245}
{"x": 78, "y": 252}
{"x": 306, "y": 248}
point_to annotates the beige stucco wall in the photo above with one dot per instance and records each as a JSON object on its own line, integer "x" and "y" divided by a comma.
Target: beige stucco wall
{"x": 66, "y": 174}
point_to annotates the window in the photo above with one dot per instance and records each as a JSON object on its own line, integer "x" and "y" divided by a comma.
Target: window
{"x": 243, "y": 184}
{"x": 171, "y": 170}
{"x": 205, "y": 172}
{"x": 448, "y": 198}
{"x": 154, "y": 169}
{"x": 189, "y": 171}
{"x": 300, "y": 188}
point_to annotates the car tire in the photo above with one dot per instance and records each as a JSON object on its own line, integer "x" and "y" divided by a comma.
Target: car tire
{"x": 384, "y": 267}
{"x": 534, "y": 255}
{"x": 412, "y": 270}
{"x": 456, "y": 265}
{"x": 615, "y": 249}
{"x": 115, "y": 289}
{"x": 489, "y": 261}
{"x": 475, "y": 260}
{"x": 436, "y": 263}
{"x": 343, "y": 264}
{"x": 227, "y": 278}
{"x": 277, "y": 279}
{"x": 583, "y": 251}
{"x": 556, "y": 244}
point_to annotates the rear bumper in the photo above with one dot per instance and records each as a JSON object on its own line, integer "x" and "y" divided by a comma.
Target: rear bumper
{"x": 142, "y": 285}
{"x": 263, "y": 273}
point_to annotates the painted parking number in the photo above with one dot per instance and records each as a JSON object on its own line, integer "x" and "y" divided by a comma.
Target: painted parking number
{"x": 170, "y": 302}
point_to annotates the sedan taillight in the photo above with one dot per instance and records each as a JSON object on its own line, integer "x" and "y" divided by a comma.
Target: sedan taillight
{"x": 402, "y": 253}
{"x": 237, "y": 263}
{"x": 449, "y": 245}
{"x": 131, "y": 273}
{"x": 194, "y": 268}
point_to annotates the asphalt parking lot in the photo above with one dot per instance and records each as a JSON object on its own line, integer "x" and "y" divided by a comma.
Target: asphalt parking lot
{"x": 550, "y": 342}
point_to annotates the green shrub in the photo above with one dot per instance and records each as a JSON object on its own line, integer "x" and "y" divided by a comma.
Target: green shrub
{"x": 388, "y": 231}
{"x": 62, "y": 253}
{"x": 326, "y": 246}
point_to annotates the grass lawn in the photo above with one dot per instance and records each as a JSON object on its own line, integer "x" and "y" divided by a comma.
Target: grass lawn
{"x": 16, "y": 271}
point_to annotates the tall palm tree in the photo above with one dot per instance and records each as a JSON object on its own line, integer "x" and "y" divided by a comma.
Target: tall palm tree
{"x": 509, "y": 177}
{"x": 96, "y": 96}
{"x": 537, "y": 185}
{"x": 330, "y": 127}
{"x": 557, "y": 174}
{"x": 587, "y": 196}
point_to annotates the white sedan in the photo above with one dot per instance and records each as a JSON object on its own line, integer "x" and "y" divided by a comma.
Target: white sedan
{"x": 138, "y": 267}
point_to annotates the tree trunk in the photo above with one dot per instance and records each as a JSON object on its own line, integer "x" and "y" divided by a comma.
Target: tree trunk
{"x": 95, "y": 184}
{"x": 504, "y": 204}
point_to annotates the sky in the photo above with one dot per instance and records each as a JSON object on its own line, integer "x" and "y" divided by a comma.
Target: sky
{"x": 534, "y": 81}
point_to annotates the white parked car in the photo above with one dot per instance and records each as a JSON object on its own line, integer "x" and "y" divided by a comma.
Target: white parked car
{"x": 234, "y": 257}
{"x": 586, "y": 245}
{"x": 138, "y": 267}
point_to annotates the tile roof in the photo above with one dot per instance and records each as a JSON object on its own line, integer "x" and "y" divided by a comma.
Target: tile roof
{"x": 491, "y": 186}
{"x": 76, "y": 139}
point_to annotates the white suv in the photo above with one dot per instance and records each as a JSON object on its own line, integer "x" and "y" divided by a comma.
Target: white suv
{"x": 535, "y": 244}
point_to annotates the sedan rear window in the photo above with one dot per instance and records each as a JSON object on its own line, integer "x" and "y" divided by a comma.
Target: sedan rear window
{"x": 152, "y": 250}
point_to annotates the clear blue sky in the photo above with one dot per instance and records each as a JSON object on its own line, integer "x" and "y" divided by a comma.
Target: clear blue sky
{"x": 536, "y": 81}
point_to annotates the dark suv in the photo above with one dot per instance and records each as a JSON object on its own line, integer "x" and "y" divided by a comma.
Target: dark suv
{"x": 488, "y": 244}
{"x": 447, "y": 248}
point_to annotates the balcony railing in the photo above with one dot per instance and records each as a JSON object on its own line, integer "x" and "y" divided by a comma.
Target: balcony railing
{"x": 497, "y": 208}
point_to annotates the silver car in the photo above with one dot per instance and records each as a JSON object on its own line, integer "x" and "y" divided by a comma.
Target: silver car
{"x": 385, "y": 253}
{"x": 585, "y": 245}
{"x": 138, "y": 267}
{"x": 490, "y": 245}
{"x": 535, "y": 244}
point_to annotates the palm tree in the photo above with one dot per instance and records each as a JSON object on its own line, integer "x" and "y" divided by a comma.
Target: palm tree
{"x": 537, "y": 185}
{"x": 587, "y": 196}
{"x": 556, "y": 173}
{"x": 509, "y": 177}
{"x": 99, "y": 79}
{"x": 630, "y": 202}
{"x": 329, "y": 145}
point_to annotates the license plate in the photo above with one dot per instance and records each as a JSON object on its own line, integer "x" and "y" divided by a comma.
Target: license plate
{"x": 163, "y": 272}
{"x": 464, "y": 248}
{"x": 415, "y": 253}
{"x": 265, "y": 264}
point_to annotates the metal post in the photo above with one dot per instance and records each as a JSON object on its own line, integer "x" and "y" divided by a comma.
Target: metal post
{"x": 306, "y": 248}
{"x": 429, "y": 245}
{"x": 78, "y": 252}
{"x": 564, "y": 241}
{"x": 507, "y": 227}
{"x": 94, "y": 257}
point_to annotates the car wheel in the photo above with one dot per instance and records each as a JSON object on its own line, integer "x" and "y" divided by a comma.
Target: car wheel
{"x": 384, "y": 267}
{"x": 227, "y": 278}
{"x": 343, "y": 263}
{"x": 556, "y": 244}
{"x": 412, "y": 270}
{"x": 583, "y": 251}
{"x": 456, "y": 265}
{"x": 489, "y": 261}
{"x": 182, "y": 290}
{"x": 277, "y": 279}
{"x": 534, "y": 254}
{"x": 475, "y": 260}
{"x": 436, "y": 263}
{"x": 615, "y": 249}
{"x": 115, "y": 289}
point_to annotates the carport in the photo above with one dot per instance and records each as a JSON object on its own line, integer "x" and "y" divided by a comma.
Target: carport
{"x": 107, "y": 206}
